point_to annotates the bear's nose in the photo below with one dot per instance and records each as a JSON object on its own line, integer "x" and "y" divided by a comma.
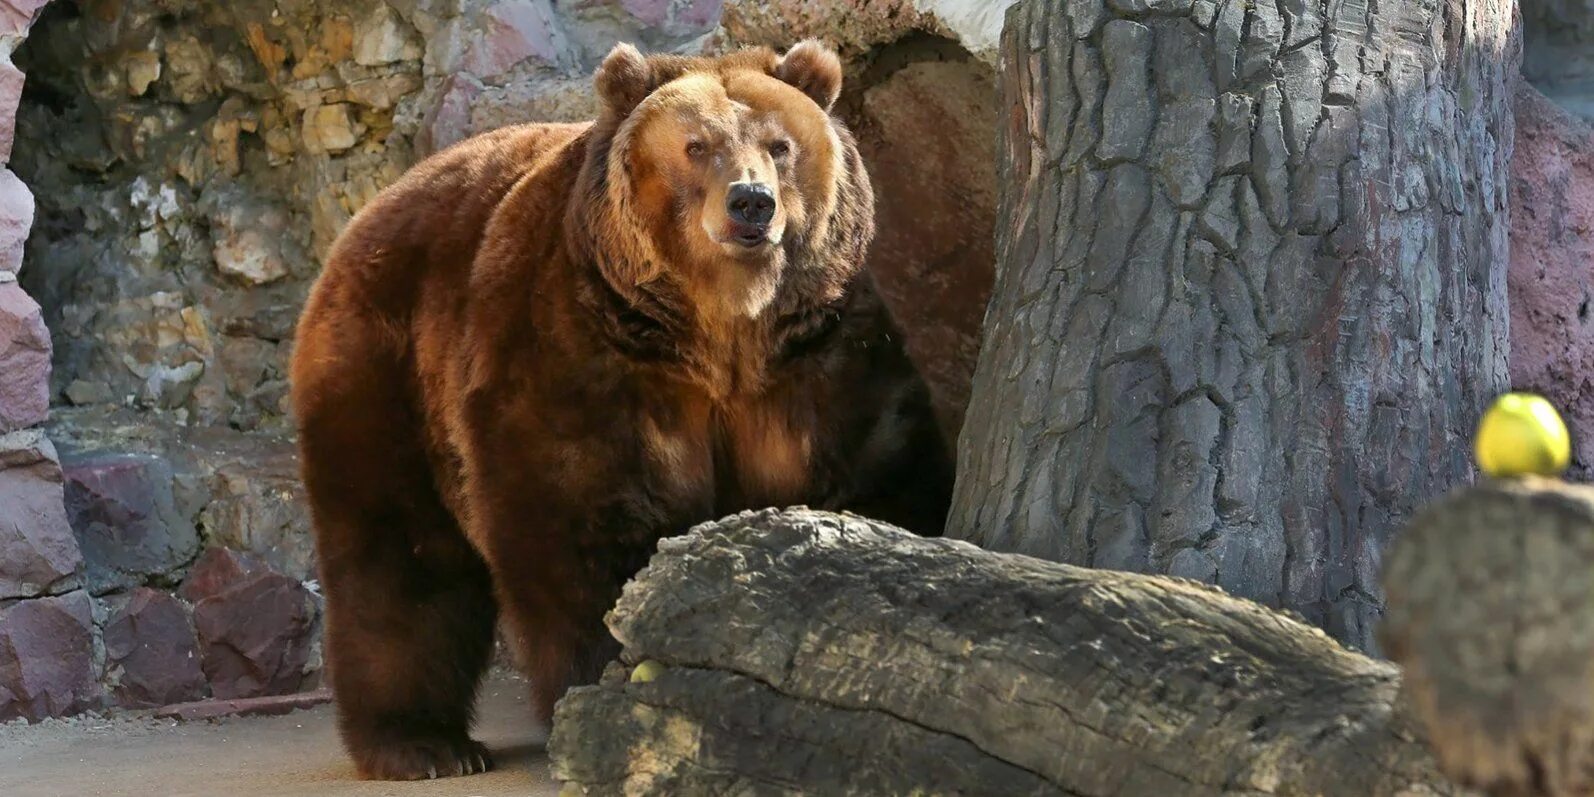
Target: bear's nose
{"x": 750, "y": 203}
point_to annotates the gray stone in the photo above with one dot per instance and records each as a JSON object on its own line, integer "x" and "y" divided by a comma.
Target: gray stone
{"x": 1558, "y": 52}
{"x": 123, "y": 512}
{"x": 1270, "y": 158}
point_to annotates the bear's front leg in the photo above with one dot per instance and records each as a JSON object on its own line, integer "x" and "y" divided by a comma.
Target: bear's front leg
{"x": 557, "y": 572}
{"x": 564, "y": 511}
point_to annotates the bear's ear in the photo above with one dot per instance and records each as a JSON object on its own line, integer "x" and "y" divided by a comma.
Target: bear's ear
{"x": 624, "y": 79}
{"x": 814, "y": 69}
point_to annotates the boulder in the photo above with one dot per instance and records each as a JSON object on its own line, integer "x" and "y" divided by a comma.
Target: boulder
{"x": 218, "y": 570}
{"x": 24, "y": 350}
{"x": 124, "y": 514}
{"x": 38, "y": 552}
{"x": 47, "y": 666}
{"x": 151, "y": 654}
{"x": 256, "y": 636}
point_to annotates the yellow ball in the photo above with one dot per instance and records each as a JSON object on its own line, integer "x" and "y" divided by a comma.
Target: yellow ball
{"x": 1522, "y": 434}
{"x": 646, "y": 671}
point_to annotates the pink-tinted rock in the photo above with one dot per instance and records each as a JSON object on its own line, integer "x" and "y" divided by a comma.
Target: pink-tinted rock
{"x": 449, "y": 121}
{"x": 247, "y": 707}
{"x": 1551, "y": 277}
{"x": 218, "y": 570}
{"x": 151, "y": 656}
{"x": 24, "y": 360}
{"x": 255, "y": 637}
{"x": 37, "y": 550}
{"x": 47, "y": 658}
{"x": 16, "y": 212}
{"x": 511, "y": 31}
{"x": 125, "y": 517}
{"x": 11, "y": 80}
{"x": 701, "y": 13}
{"x": 652, "y": 12}
{"x": 16, "y": 16}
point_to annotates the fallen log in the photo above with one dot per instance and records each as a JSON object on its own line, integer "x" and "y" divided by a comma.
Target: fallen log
{"x": 805, "y": 652}
{"x": 1491, "y": 615}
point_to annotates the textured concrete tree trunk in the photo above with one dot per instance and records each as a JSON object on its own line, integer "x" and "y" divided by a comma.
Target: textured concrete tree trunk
{"x": 810, "y": 653}
{"x": 1251, "y": 287}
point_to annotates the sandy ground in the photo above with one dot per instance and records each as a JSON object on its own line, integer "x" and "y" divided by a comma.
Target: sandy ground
{"x": 294, "y": 755}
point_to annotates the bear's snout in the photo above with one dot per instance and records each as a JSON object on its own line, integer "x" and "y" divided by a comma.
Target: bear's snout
{"x": 751, "y": 207}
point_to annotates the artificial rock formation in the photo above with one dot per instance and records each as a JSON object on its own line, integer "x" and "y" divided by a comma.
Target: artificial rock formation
{"x": 812, "y": 653}
{"x": 1552, "y": 264}
{"x": 1251, "y": 288}
{"x": 1559, "y": 54}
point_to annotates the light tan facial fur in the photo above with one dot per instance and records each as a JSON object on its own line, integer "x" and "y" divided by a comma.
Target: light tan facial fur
{"x": 687, "y": 144}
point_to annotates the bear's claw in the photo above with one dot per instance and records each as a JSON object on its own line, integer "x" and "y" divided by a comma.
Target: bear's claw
{"x": 425, "y": 759}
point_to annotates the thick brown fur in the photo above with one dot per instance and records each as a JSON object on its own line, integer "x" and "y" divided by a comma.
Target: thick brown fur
{"x": 535, "y": 355}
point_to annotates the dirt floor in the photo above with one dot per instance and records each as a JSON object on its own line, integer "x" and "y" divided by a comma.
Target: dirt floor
{"x": 294, "y": 755}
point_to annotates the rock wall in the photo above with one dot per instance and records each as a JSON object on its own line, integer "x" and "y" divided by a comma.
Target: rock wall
{"x": 1558, "y": 52}
{"x": 1551, "y": 278}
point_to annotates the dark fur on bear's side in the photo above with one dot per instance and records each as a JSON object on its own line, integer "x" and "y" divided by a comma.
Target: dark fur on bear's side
{"x": 509, "y": 386}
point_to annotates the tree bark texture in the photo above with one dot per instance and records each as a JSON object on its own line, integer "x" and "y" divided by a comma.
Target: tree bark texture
{"x": 811, "y": 653}
{"x": 1491, "y": 615}
{"x": 1251, "y": 288}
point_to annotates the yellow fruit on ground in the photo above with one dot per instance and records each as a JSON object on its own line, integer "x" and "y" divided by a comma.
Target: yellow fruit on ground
{"x": 1522, "y": 434}
{"x": 646, "y": 671}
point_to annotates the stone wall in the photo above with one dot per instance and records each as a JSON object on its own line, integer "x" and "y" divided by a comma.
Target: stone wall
{"x": 1552, "y": 264}
{"x": 1558, "y": 52}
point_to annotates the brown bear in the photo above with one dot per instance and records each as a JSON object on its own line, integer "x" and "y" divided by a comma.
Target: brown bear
{"x": 545, "y": 348}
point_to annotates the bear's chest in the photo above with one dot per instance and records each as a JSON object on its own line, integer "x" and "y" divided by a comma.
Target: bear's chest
{"x": 739, "y": 455}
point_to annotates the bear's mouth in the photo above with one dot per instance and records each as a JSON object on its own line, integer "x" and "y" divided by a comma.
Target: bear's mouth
{"x": 748, "y": 236}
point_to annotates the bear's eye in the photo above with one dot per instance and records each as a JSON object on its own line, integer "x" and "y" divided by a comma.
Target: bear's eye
{"x": 695, "y": 149}
{"x": 780, "y": 149}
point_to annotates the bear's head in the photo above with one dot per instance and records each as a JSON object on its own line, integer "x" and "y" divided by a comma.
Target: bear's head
{"x": 723, "y": 186}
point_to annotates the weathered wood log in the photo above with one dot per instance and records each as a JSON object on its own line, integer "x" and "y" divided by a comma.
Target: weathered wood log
{"x": 1250, "y": 293}
{"x": 809, "y": 653}
{"x": 1491, "y": 615}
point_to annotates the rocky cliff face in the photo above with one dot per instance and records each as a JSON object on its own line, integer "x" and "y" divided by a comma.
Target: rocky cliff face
{"x": 1558, "y": 52}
